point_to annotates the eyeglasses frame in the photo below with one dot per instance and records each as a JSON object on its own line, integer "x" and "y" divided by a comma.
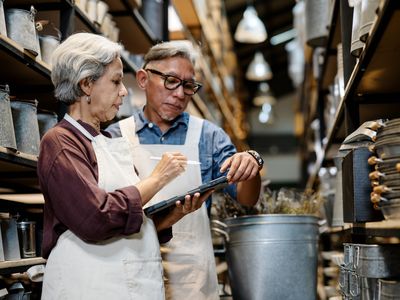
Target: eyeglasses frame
{"x": 182, "y": 81}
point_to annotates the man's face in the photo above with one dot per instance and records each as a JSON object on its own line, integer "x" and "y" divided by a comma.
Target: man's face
{"x": 164, "y": 105}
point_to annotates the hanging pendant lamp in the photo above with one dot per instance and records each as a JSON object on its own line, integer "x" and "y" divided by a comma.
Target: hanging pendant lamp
{"x": 263, "y": 95}
{"x": 259, "y": 69}
{"x": 250, "y": 29}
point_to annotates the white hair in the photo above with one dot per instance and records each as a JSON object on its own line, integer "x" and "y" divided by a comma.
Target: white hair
{"x": 164, "y": 50}
{"x": 80, "y": 56}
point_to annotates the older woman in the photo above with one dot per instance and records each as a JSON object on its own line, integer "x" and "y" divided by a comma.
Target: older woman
{"x": 98, "y": 242}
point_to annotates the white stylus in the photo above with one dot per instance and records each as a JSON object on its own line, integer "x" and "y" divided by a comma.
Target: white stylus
{"x": 189, "y": 162}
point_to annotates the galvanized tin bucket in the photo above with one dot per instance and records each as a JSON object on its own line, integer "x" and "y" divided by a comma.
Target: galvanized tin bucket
{"x": 21, "y": 28}
{"x": 3, "y": 30}
{"x": 388, "y": 289}
{"x": 272, "y": 256}
{"x": 48, "y": 44}
{"x": 368, "y": 13}
{"x": 317, "y": 14}
{"x": 356, "y": 44}
{"x": 46, "y": 120}
{"x": 24, "y": 113}
{"x": 7, "y": 135}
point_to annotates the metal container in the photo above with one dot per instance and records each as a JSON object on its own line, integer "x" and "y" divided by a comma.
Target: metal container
{"x": 316, "y": 16}
{"x": 21, "y": 28}
{"x": 48, "y": 44}
{"x": 9, "y": 235}
{"x": 272, "y": 256}
{"x": 356, "y": 44}
{"x": 376, "y": 261}
{"x": 27, "y": 241}
{"x": 368, "y": 13}
{"x": 3, "y": 29}
{"x": 7, "y": 136}
{"x": 153, "y": 12}
{"x": 24, "y": 113}
{"x": 46, "y": 120}
{"x": 362, "y": 288}
{"x": 388, "y": 289}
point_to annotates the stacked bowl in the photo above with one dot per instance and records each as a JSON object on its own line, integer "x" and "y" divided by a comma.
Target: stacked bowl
{"x": 385, "y": 180}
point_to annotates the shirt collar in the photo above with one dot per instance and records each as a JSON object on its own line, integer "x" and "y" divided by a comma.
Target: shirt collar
{"x": 141, "y": 121}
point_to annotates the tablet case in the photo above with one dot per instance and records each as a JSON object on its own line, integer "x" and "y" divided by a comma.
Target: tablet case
{"x": 213, "y": 184}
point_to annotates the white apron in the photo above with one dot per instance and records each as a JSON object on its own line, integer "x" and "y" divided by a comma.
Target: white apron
{"x": 188, "y": 259}
{"x": 119, "y": 268}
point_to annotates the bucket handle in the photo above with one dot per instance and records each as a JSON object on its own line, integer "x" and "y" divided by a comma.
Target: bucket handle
{"x": 221, "y": 232}
{"x": 219, "y": 223}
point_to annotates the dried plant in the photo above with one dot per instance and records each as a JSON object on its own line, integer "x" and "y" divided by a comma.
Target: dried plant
{"x": 285, "y": 201}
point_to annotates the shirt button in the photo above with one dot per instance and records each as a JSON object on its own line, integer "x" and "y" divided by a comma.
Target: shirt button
{"x": 162, "y": 139}
{"x": 151, "y": 125}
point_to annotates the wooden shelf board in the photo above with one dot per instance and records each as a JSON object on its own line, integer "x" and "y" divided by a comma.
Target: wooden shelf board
{"x": 386, "y": 228}
{"x": 23, "y": 198}
{"x": 134, "y": 39}
{"x": 382, "y": 72}
{"x": 22, "y": 262}
{"x": 21, "y": 161}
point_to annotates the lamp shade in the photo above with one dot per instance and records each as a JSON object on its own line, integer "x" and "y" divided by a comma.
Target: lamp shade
{"x": 263, "y": 95}
{"x": 258, "y": 70}
{"x": 250, "y": 29}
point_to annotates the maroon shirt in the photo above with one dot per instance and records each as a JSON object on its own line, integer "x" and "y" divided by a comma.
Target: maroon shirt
{"x": 68, "y": 177}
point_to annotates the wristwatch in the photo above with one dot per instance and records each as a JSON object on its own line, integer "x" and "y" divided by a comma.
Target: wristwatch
{"x": 257, "y": 157}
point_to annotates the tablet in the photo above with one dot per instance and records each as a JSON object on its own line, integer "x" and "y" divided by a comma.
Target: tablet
{"x": 213, "y": 184}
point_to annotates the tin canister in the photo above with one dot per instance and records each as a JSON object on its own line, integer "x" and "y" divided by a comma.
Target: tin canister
{"x": 27, "y": 241}
{"x": 7, "y": 135}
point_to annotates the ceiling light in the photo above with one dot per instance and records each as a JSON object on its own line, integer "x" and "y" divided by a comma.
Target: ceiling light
{"x": 250, "y": 28}
{"x": 258, "y": 70}
{"x": 174, "y": 22}
{"x": 283, "y": 37}
{"x": 263, "y": 95}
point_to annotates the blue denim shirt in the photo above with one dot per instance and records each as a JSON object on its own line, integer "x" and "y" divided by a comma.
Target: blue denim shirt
{"x": 214, "y": 147}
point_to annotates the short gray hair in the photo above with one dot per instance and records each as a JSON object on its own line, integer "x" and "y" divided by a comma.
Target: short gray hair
{"x": 170, "y": 49}
{"x": 80, "y": 56}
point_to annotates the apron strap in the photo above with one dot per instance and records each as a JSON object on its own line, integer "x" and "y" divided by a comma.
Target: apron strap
{"x": 78, "y": 126}
{"x": 194, "y": 130}
{"x": 128, "y": 130}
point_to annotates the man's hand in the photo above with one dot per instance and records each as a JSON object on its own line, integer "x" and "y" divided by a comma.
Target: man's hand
{"x": 242, "y": 166}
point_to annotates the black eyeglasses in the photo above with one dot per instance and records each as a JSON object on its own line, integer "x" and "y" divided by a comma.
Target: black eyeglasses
{"x": 172, "y": 83}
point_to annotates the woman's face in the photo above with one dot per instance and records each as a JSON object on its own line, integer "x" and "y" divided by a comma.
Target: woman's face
{"x": 107, "y": 92}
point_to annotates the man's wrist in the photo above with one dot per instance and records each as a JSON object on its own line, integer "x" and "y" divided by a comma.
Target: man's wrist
{"x": 257, "y": 157}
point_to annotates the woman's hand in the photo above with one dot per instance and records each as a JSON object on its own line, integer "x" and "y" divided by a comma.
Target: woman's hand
{"x": 171, "y": 165}
{"x": 180, "y": 210}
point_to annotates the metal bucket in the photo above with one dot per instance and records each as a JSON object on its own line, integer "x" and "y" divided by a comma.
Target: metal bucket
{"x": 3, "y": 30}
{"x": 317, "y": 14}
{"x": 46, "y": 120}
{"x": 356, "y": 44}
{"x": 272, "y": 256}
{"x": 21, "y": 28}
{"x": 7, "y": 135}
{"x": 48, "y": 44}
{"x": 153, "y": 12}
{"x": 388, "y": 289}
{"x": 368, "y": 13}
{"x": 26, "y": 236}
{"x": 24, "y": 113}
